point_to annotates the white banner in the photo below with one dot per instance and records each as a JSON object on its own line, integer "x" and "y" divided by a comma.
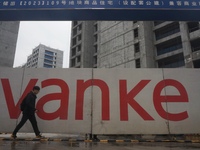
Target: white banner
{"x": 56, "y": 102}
{"x": 104, "y": 101}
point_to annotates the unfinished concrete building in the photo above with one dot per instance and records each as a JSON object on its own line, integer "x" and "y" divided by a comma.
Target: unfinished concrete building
{"x": 135, "y": 44}
{"x": 8, "y": 41}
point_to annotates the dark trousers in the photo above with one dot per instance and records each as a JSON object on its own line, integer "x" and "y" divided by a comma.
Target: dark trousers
{"x": 33, "y": 121}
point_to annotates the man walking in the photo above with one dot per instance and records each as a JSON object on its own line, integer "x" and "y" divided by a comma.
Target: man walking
{"x": 29, "y": 111}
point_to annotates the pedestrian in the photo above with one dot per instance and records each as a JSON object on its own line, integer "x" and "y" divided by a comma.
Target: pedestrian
{"x": 29, "y": 111}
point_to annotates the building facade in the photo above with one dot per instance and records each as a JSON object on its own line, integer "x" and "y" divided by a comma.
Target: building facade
{"x": 82, "y": 44}
{"x": 8, "y": 40}
{"x": 136, "y": 44}
{"x": 45, "y": 57}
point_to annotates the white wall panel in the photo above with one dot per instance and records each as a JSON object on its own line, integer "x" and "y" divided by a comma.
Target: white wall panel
{"x": 152, "y": 99}
{"x": 62, "y": 78}
{"x": 189, "y": 79}
{"x": 11, "y": 79}
{"x": 135, "y": 123}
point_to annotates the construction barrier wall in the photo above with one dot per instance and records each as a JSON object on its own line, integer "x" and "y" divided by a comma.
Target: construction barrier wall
{"x": 104, "y": 101}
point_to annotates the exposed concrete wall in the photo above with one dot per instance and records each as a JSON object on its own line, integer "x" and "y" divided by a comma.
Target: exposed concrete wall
{"x": 116, "y": 44}
{"x": 117, "y": 41}
{"x": 8, "y": 41}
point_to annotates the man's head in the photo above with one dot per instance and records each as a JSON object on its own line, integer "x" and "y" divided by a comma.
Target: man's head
{"x": 36, "y": 90}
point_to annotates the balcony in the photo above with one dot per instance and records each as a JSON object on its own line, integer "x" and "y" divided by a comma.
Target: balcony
{"x": 194, "y": 35}
{"x": 169, "y": 49}
{"x": 169, "y": 46}
{"x": 167, "y": 30}
{"x": 175, "y": 61}
{"x": 195, "y": 45}
{"x": 193, "y": 26}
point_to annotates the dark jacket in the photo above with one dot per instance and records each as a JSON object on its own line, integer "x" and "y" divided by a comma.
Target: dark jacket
{"x": 30, "y": 104}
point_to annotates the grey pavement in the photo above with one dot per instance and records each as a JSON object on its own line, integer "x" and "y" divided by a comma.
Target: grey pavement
{"x": 81, "y": 145}
{"x": 101, "y": 137}
{"x": 52, "y": 145}
{"x": 48, "y": 135}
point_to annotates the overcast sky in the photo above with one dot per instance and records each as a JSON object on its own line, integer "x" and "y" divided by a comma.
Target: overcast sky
{"x": 55, "y": 34}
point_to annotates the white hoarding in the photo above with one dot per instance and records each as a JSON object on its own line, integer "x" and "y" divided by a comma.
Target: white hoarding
{"x": 10, "y": 82}
{"x": 56, "y": 102}
{"x": 184, "y": 103}
{"x": 104, "y": 101}
{"x": 131, "y": 107}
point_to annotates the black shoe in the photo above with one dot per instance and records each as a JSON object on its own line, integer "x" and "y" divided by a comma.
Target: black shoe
{"x": 95, "y": 138}
{"x": 39, "y": 136}
{"x": 13, "y": 136}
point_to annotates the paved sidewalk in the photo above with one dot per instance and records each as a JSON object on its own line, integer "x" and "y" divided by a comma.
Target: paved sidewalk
{"x": 30, "y": 136}
{"x": 64, "y": 145}
{"x": 102, "y": 138}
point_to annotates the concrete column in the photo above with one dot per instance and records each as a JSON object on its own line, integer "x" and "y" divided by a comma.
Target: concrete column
{"x": 187, "y": 52}
{"x": 147, "y": 52}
